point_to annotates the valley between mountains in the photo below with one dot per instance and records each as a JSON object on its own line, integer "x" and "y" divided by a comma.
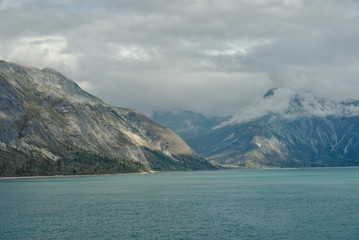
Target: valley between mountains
{"x": 281, "y": 130}
{"x": 49, "y": 126}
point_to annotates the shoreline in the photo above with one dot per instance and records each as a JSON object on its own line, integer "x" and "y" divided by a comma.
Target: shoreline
{"x": 288, "y": 168}
{"x": 74, "y": 175}
{"x": 151, "y": 172}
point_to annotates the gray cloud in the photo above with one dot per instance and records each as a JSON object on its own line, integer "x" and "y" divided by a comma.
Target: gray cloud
{"x": 214, "y": 57}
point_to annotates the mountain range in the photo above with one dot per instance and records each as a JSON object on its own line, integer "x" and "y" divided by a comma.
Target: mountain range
{"x": 49, "y": 125}
{"x": 284, "y": 129}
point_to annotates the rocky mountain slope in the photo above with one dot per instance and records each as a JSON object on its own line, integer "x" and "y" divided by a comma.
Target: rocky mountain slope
{"x": 49, "y": 125}
{"x": 285, "y": 130}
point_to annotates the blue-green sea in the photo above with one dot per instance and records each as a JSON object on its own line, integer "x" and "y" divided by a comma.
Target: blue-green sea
{"x": 320, "y": 203}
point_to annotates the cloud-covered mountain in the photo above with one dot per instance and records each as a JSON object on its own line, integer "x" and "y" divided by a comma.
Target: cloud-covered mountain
{"x": 49, "y": 125}
{"x": 290, "y": 105}
{"x": 285, "y": 129}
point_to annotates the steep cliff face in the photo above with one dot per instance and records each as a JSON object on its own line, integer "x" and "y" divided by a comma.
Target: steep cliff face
{"x": 301, "y": 133}
{"x": 48, "y": 118}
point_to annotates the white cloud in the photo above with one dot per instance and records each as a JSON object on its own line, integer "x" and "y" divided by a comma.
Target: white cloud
{"x": 131, "y": 53}
{"x": 239, "y": 47}
{"x": 41, "y": 51}
{"x": 289, "y": 104}
{"x": 279, "y": 103}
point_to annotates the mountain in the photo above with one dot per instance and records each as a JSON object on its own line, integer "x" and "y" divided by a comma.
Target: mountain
{"x": 285, "y": 129}
{"x": 49, "y": 125}
{"x": 187, "y": 123}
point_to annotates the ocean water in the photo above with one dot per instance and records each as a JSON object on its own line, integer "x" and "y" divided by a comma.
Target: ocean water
{"x": 320, "y": 203}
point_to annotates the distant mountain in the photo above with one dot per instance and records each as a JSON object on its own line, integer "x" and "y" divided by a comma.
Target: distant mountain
{"x": 285, "y": 130}
{"x": 187, "y": 123}
{"x": 49, "y": 125}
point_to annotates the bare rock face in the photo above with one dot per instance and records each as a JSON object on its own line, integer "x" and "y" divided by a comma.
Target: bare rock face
{"x": 49, "y": 125}
{"x": 298, "y": 131}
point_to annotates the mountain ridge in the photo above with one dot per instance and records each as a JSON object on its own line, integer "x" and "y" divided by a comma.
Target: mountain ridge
{"x": 290, "y": 131}
{"x": 46, "y": 116}
{"x": 285, "y": 129}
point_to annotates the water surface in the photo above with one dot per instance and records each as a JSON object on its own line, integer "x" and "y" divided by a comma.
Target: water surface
{"x": 318, "y": 203}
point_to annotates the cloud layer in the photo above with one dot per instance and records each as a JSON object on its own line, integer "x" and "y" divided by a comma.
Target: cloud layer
{"x": 214, "y": 57}
{"x": 287, "y": 104}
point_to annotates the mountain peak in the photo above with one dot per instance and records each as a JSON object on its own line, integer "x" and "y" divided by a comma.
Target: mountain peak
{"x": 49, "y": 125}
{"x": 270, "y": 92}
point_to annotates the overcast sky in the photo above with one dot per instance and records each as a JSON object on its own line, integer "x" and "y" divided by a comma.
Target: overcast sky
{"x": 213, "y": 57}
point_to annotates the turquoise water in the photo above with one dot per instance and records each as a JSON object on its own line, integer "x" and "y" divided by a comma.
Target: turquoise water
{"x": 228, "y": 204}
